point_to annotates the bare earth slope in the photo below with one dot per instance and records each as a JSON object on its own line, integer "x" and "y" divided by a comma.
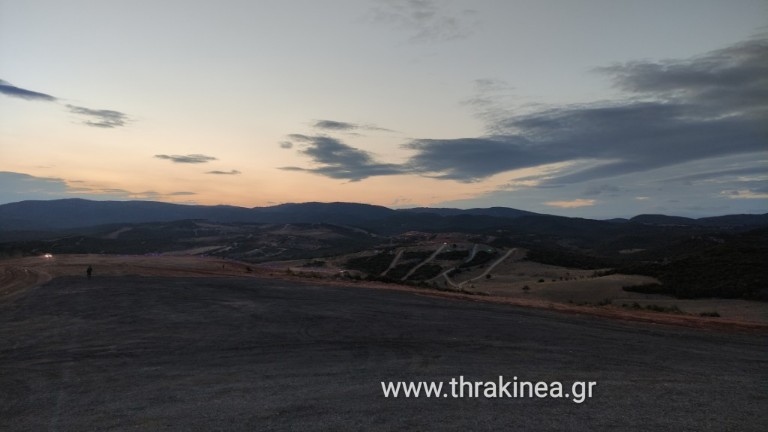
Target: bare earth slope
{"x": 254, "y": 353}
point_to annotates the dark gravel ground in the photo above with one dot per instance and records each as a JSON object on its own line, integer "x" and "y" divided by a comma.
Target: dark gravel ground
{"x": 180, "y": 354}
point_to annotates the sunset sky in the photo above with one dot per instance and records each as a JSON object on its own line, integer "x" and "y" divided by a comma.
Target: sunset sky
{"x": 589, "y": 108}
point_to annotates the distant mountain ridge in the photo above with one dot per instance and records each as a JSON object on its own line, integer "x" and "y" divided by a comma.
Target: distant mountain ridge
{"x": 504, "y": 212}
{"x": 737, "y": 220}
{"x": 79, "y": 213}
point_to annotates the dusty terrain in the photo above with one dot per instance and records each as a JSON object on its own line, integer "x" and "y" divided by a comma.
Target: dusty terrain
{"x": 121, "y": 352}
{"x": 554, "y": 287}
{"x": 16, "y": 275}
{"x": 21, "y": 273}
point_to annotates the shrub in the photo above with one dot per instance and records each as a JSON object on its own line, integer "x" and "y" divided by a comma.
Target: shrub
{"x": 650, "y": 288}
{"x": 710, "y": 314}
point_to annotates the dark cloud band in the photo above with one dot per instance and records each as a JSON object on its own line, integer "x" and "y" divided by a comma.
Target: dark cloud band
{"x": 230, "y": 172}
{"x": 10, "y": 90}
{"x": 340, "y": 161}
{"x": 187, "y": 159}
{"x": 674, "y": 112}
{"x": 100, "y": 118}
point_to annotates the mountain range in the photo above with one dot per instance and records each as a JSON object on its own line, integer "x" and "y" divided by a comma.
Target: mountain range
{"x": 79, "y": 213}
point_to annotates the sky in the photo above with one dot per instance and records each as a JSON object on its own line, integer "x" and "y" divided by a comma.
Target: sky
{"x": 584, "y": 108}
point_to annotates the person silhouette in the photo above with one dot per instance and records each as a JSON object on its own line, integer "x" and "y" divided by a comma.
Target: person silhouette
{"x": 88, "y": 271}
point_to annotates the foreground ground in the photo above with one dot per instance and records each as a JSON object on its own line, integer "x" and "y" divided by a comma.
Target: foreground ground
{"x": 253, "y": 353}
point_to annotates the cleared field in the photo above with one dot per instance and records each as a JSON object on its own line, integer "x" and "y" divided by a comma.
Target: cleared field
{"x": 578, "y": 292}
{"x": 159, "y": 353}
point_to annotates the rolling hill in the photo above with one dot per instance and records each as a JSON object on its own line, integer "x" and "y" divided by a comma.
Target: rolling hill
{"x": 717, "y": 256}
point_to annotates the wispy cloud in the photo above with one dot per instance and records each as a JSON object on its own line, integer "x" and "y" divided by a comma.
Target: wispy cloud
{"x": 756, "y": 193}
{"x": 230, "y": 172}
{"x": 340, "y": 126}
{"x": 10, "y": 90}
{"x": 187, "y": 159}
{"x": 16, "y": 186}
{"x": 572, "y": 203}
{"x": 334, "y": 125}
{"x": 603, "y": 189}
{"x": 100, "y": 118}
{"x": 426, "y": 20}
{"x": 729, "y": 81}
{"x": 760, "y": 170}
{"x": 338, "y": 160}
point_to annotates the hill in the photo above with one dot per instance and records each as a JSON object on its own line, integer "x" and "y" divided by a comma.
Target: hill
{"x": 78, "y": 213}
{"x": 718, "y": 256}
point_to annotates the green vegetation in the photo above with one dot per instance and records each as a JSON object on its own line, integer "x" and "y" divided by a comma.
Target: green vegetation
{"x": 427, "y": 271}
{"x": 419, "y": 255}
{"x": 371, "y": 264}
{"x": 733, "y": 269}
{"x": 566, "y": 258}
{"x": 453, "y": 255}
{"x": 713, "y": 314}
{"x": 399, "y": 271}
{"x": 480, "y": 258}
{"x": 653, "y": 308}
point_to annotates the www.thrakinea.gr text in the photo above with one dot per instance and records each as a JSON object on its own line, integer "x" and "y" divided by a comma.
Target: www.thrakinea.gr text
{"x": 577, "y": 391}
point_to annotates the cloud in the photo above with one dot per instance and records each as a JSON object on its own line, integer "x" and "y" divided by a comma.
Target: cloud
{"x": 571, "y": 204}
{"x": 732, "y": 80}
{"x": 340, "y": 161}
{"x": 100, "y": 118}
{"x": 756, "y": 193}
{"x": 674, "y": 112}
{"x": 603, "y": 189}
{"x": 339, "y": 126}
{"x": 19, "y": 186}
{"x": 469, "y": 159}
{"x": 187, "y": 159}
{"x": 761, "y": 171}
{"x": 10, "y": 90}
{"x": 230, "y": 172}
{"x": 286, "y": 144}
{"x": 425, "y": 20}
{"x": 334, "y": 125}
{"x": 16, "y": 187}
{"x": 489, "y": 100}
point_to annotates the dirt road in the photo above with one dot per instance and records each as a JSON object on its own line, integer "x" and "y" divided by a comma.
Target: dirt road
{"x": 426, "y": 261}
